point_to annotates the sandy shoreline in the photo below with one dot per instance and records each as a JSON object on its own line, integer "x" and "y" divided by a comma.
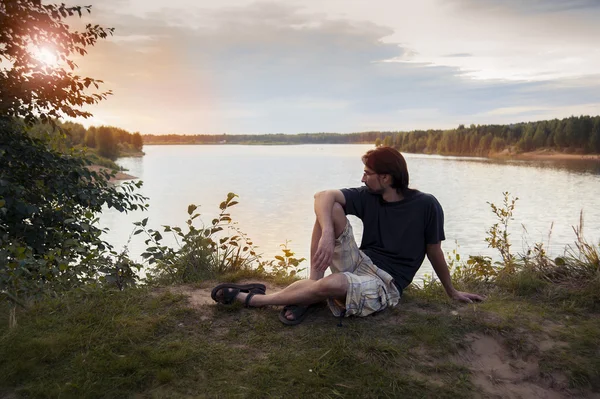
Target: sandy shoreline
{"x": 118, "y": 176}
{"x": 545, "y": 156}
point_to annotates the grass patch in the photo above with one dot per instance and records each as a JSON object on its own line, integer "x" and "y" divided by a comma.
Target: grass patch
{"x": 120, "y": 344}
{"x": 151, "y": 343}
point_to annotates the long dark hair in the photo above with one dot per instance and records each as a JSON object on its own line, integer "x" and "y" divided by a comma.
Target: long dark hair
{"x": 388, "y": 161}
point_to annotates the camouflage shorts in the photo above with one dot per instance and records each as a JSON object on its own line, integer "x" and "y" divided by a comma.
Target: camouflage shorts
{"x": 370, "y": 289}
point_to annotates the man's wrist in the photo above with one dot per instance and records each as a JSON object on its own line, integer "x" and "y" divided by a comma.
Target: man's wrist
{"x": 328, "y": 230}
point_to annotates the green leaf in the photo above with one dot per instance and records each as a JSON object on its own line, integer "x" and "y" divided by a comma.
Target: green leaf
{"x": 191, "y": 208}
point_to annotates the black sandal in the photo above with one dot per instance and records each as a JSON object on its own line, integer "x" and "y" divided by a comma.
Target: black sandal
{"x": 298, "y": 311}
{"x": 232, "y": 290}
{"x": 249, "y": 296}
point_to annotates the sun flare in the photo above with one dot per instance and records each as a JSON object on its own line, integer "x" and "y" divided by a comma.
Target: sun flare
{"x": 46, "y": 56}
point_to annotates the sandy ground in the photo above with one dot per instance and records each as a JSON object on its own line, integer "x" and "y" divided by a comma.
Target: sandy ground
{"x": 118, "y": 176}
{"x": 546, "y": 155}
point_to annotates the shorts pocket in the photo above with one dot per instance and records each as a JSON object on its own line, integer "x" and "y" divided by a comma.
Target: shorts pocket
{"x": 372, "y": 301}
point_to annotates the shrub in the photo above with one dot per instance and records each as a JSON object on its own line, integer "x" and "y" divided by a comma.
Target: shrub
{"x": 49, "y": 203}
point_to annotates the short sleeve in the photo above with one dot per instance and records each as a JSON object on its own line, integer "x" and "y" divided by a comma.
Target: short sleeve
{"x": 434, "y": 228}
{"x": 354, "y": 201}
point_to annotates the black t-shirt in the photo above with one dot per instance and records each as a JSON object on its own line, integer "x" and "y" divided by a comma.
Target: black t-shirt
{"x": 396, "y": 234}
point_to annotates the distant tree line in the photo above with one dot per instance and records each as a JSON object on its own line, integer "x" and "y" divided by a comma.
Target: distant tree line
{"x": 574, "y": 134}
{"x": 280, "y": 138}
{"x": 110, "y": 142}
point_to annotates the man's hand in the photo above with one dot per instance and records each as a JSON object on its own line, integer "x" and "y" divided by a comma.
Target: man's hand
{"x": 467, "y": 297}
{"x": 324, "y": 253}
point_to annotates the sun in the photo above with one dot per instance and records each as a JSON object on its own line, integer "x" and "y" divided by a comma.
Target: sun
{"x": 46, "y": 55}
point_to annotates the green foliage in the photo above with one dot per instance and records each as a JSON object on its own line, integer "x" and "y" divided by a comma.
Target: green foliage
{"x": 283, "y": 266}
{"x": 31, "y": 88}
{"x": 106, "y": 143}
{"x": 581, "y": 260}
{"x": 210, "y": 251}
{"x": 498, "y": 234}
{"x": 575, "y": 276}
{"x": 575, "y": 134}
{"x": 49, "y": 206}
{"x": 594, "y": 144}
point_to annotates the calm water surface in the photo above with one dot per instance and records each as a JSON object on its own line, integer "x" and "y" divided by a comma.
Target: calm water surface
{"x": 276, "y": 186}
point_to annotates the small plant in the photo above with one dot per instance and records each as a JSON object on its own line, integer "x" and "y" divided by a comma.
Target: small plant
{"x": 119, "y": 270}
{"x": 474, "y": 269}
{"x": 583, "y": 260}
{"x": 283, "y": 266}
{"x": 498, "y": 236}
{"x": 210, "y": 251}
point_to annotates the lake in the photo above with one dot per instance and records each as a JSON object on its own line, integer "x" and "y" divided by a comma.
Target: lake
{"x": 276, "y": 185}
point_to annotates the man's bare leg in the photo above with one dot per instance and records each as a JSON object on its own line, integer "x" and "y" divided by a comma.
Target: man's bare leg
{"x": 339, "y": 224}
{"x": 316, "y": 288}
{"x": 303, "y": 292}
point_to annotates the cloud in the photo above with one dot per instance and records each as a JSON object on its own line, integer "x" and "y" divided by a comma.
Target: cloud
{"x": 458, "y": 55}
{"x": 270, "y": 67}
{"x": 531, "y": 6}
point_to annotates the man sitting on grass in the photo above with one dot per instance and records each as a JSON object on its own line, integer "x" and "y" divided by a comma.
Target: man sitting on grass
{"x": 400, "y": 226}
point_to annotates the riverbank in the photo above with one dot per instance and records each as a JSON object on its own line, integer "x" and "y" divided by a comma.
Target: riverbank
{"x": 175, "y": 342}
{"x": 545, "y": 155}
{"x": 118, "y": 176}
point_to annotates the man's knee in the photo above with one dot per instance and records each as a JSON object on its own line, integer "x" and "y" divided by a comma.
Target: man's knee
{"x": 334, "y": 285}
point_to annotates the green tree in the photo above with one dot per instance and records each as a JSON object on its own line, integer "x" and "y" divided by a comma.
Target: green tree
{"x": 485, "y": 143}
{"x": 573, "y": 132}
{"x": 49, "y": 199}
{"x": 32, "y": 88}
{"x": 136, "y": 141}
{"x": 497, "y": 144}
{"x": 90, "y": 137}
{"x": 540, "y": 136}
{"x": 594, "y": 143}
{"x": 75, "y": 132}
{"x": 106, "y": 142}
{"x": 560, "y": 137}
{"x": 398, "y": 140}
{"x": 377, "y": 142}
{"x": 526, "y": 142}
{"x": 387, "y": 141}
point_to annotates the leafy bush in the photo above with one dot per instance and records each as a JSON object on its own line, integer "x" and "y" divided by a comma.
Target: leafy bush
{"x": 49, "y": 203}
{"x": 211, "y": 251}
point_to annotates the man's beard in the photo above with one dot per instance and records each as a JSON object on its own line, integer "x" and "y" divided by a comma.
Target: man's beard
{"x": 373, "y": 191}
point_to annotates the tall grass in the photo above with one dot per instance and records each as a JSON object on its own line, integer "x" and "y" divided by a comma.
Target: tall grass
{"x": 574, "y": 276}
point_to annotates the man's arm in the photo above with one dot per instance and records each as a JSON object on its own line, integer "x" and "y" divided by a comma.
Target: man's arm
{"x": 438, "y": 261}
{"x": 324, "y": 201}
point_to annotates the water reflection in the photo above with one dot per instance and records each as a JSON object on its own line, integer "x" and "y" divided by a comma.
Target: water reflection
{"x": 588, "y": 166}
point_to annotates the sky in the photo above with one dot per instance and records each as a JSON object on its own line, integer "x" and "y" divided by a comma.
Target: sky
{"x": 303, "y": 66}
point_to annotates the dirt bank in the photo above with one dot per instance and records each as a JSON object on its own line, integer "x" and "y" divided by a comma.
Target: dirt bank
{"x": 118, "y": 176}
{"x": 545, "y": 155}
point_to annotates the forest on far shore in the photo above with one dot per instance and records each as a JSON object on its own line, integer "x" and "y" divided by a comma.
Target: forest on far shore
{"x": 108, "y": 141}
{"x": 574, "y": 135}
